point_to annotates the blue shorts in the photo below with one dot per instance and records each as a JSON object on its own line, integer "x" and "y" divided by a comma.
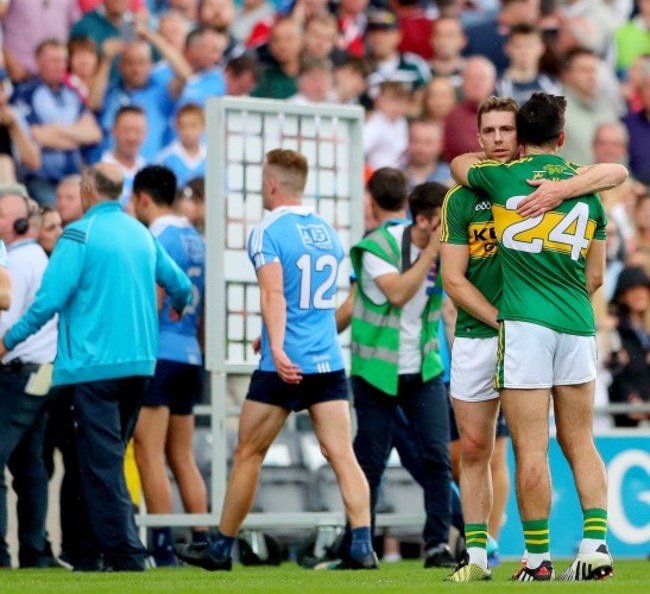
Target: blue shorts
{"x": 502, "y": 428}
{"x": 178, "y": 386}
{"x": 267, "y": 387}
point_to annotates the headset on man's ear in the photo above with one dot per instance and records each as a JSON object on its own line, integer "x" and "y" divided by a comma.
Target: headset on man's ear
{"x": 21, "y": 225}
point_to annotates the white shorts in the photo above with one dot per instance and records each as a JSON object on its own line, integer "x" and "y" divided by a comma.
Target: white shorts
{"x": 533, "y": 356}
{"x": 473, "y": 367}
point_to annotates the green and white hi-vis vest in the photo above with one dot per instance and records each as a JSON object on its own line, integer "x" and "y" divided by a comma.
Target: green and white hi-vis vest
{"x": 376, "y": 328}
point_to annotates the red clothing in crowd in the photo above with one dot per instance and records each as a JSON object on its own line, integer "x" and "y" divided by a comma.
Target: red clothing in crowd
{"x": 134, "y": 5}
{"x": 461, "y": 127}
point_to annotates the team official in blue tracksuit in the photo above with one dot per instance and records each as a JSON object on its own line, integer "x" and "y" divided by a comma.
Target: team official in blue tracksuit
{"x": 101, "y": 280}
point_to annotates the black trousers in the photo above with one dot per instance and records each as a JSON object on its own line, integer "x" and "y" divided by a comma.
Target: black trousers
{"x": 105, "y": 413}
{"x": 22, "y": 427}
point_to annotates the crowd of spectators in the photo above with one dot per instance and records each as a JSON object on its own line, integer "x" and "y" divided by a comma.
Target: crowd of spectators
{"x": 126, "y": 82}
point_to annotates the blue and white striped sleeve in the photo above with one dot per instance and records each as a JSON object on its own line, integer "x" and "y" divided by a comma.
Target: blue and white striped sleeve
{"x": 262, "y": 248}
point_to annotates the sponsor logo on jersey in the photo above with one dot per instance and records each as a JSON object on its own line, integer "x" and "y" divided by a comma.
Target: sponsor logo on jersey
{"x": 482, "y": 239}
{"x": 485, "y": 205}
{"x": 316, "y": 236}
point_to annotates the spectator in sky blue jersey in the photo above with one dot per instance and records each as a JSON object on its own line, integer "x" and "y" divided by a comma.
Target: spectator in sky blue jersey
{"x": 105, "y": 352}
{"x": 204, "y": 48}
{"x": 137, "y": 87}
{"x": 186, "y": 156}
{"x": 296, "y": 255}
{"x": 165, "y": 427}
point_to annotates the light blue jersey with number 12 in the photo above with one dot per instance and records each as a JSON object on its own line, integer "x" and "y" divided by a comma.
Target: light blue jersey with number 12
{"x": 310, "y": 253}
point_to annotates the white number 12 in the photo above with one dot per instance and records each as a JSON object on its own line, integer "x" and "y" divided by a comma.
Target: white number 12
{"x": 322, "y": 262}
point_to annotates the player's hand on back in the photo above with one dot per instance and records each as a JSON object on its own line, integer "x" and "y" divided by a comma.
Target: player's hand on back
{"x": 546, "y": 197}
{"x": 288, "y": 371}
{"x": 257, "y": 344}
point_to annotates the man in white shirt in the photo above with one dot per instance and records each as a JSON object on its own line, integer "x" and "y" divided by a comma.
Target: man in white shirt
{"x": 23, "y": 416}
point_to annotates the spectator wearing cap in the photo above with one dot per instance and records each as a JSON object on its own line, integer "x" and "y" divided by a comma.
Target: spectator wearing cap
{"x": 23, "y": 412}
{"x": 279, "y": 78}
{"x": 461, "y": 125}
{"x": 59, "y": 121}
{"x": 41, "y": 21}
{"x": 630, "y": 365}
{"x": 388, "y": 64}
{"x": 315, "y": 82}
{"x": 638, "y": 128}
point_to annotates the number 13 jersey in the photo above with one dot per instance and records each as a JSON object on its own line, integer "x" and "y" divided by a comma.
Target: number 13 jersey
{"x": 543, "y": 258}
{"x": 310, "y": 252}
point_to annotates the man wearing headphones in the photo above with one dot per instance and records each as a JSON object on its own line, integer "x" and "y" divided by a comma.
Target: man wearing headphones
{"x": 23, "y": 415}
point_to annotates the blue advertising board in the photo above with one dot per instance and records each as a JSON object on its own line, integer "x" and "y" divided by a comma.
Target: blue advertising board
{"x": 627, "y": 458}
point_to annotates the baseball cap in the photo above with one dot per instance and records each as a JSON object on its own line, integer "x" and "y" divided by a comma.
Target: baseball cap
{"x": 381, "y": 20}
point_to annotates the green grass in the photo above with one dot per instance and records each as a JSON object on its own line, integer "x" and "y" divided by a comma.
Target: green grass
{"x": 631, "y": 577}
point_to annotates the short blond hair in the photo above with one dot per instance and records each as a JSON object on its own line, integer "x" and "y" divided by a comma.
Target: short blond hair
{"x": 493, "y": 103}
{"x": 292, "y": 167}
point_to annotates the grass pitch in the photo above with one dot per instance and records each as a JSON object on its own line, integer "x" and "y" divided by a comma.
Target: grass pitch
{"x": 631, "y": 577}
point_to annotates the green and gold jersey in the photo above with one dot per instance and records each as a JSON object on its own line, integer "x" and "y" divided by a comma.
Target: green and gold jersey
{"x": 467, "y": 220}
{"x": 543, "y": 258}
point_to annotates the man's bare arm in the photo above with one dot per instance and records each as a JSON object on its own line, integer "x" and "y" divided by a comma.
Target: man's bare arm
{"x": 344, "y": 311}
{"x": 455, "y": 259}
{"x": 590, "y": 179}
{"x": 595, "y": 265}
{"x": 398, "y": 288}
{"x": 274, "y": 312}
{"x": 460, "y": 166}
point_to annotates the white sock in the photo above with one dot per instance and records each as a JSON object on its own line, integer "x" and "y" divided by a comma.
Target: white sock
{"x": 589, "y": 545}
{"x": 478, "y": 555}
{"x": 536, "y": 559}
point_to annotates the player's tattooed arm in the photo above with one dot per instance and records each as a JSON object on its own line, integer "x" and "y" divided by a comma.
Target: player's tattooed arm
{"x": 455, "y": 259}
{"x": 590, "y": 179}
{"x": 461, "y": 165}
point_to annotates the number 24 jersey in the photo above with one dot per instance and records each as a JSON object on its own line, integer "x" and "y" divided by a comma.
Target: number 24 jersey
{"x": 543, "y": 258}
{"x": 310, "y": 252}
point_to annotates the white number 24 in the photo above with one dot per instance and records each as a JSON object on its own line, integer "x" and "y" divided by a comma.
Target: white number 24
{"x": 577, "y": 240}
{"x": 319, "y": 300}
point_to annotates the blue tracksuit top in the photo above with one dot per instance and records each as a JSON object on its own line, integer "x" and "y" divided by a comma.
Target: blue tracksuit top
{"x": 101, "y": 280}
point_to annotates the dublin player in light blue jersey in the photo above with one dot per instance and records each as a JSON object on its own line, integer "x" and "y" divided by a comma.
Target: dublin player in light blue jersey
{"x": 166, "y": 424}
{"x": 296, "y": 255}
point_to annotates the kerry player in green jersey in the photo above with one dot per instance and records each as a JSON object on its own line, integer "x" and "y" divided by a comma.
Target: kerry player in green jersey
{"x": 472, "y": 276}
{"x": 551, "y": 263}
